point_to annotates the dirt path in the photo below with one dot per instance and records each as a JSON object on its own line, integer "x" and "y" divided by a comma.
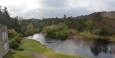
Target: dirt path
{"x": 37, "y": 55}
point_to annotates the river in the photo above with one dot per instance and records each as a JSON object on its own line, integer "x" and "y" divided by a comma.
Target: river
{"x": 93, "y": 49}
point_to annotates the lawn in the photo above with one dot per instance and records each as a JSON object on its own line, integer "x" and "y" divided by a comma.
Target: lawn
{"x": 35, "y": 46}
{"x": 18, "y": 55}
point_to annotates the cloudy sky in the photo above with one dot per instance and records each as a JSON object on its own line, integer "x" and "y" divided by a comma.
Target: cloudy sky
{"x": 56, "y": 8}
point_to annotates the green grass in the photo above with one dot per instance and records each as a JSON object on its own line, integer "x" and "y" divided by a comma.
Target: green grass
{"x": 37, "y": 47}
{"x": 88, "y": 36}
{"x": 18, "y": 55}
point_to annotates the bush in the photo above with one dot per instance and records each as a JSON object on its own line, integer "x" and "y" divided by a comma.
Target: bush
{"x": 14, "y": 42}
{"x": 103, "y": 32}
{"x": 12, "y": 33}
{"x": 59, "y": 31}
{"x": 90, "y": 36}
{"x": 96, "y": 31}
{"x": 62, "y": 34}
{"x": 113, "y": 36}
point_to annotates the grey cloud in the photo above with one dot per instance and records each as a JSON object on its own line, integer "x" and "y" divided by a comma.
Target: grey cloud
{"x": 55, "y": 8}
{"x": 40, "y": 13}
{"x": 17, "y": 10}
{"x": 30, "y": 14}
{"x": 60, "y": 12}
{"x": 110, "y": 5}
{"x": 54, "y": 3}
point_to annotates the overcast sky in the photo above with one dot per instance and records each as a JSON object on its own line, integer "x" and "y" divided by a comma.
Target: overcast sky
{"x": 56, "y": 8}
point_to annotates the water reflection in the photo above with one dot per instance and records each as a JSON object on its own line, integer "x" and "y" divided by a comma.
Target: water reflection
{"x": 99, "y": 47}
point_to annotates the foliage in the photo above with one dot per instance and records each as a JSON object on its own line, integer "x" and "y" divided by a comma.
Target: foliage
{"x": 62, "y": 34}
{"x": 14, "y": 42}
{"x": 30, "y": 28}
{"x": 90, "y": 36}
{"x": 14, "y": 39}
{"x": 114, "y": 35}
{"x": 12, "y": 33}
{"x": 59, "y": 31}
{"x": 103, "y": 32}
{"x": 89, "y": 25}
{"x": 16, "y": 25}
{"x": 4, "y": 17}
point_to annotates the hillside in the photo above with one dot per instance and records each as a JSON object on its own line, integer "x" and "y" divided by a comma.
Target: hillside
{"x": 97, "y": 20}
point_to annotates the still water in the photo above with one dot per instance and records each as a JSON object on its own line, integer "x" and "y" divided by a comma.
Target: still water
{"x": 93, "y": 49}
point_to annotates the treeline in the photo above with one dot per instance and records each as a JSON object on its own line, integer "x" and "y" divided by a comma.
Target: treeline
{"x": 99, "y": 23}
{"x": 91, "y": 23}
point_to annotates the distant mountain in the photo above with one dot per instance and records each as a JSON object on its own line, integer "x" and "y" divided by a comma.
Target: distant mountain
{"x": 108, "y": 14}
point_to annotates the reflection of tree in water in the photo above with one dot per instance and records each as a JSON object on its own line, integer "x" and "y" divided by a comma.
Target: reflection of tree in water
{"x": 99, "y": 46}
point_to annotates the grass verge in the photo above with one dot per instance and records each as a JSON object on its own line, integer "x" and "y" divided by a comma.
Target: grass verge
{"x": 37, "y": 47}
{"x": 18, "y": 55}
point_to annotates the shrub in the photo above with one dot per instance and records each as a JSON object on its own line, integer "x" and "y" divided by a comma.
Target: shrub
{"x": 62, "y": 34}
{"x": 103, "y": 32}
{"x": 96, "y": 31}
{"x": 59, "y": 31}
{"x": 12, "y": 33}
{"x": 15, "y": 39}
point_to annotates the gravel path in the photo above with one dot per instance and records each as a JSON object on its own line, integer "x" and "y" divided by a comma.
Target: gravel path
{"x": 37, "y": 55}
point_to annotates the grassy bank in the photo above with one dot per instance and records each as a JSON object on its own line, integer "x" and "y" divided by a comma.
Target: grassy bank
{"x": 18, "y": 55}
{"x": 37, "y": 47}
{"x": 89, "y": 37}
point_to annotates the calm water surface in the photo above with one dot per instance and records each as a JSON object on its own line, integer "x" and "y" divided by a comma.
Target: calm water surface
{"x": 94, "y": 49}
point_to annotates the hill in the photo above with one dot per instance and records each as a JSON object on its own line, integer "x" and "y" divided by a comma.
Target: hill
{"x": 93, "y": 22}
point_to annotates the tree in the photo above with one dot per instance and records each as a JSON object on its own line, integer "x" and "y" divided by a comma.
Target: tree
{"x": 64, "y": 16}
{"x": 30, "y": 29}
{"x": 16, "y": 25}
{"x": 5, "y": 18}
{"x": 6, "y": 12}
